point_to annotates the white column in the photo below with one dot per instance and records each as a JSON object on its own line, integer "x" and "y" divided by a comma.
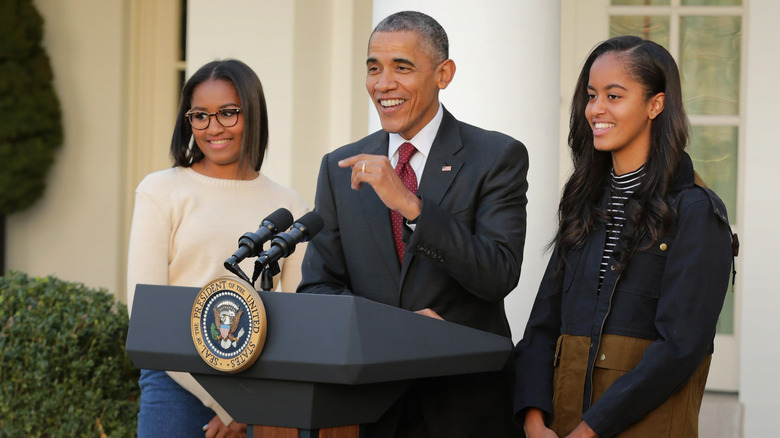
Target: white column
{"x": 760, "y": 304}
{"x": 507, "y": 55}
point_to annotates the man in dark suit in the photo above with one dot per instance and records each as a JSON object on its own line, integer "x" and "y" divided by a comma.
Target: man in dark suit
{"x": 459, "y": 204}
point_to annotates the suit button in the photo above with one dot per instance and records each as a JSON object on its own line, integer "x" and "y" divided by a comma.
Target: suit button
{"x": 427, "y": 252}
{"x": 420, "y": 247}
{"x": 441, "y": 259}
{"x": 603, "y": 356}
{"x": 663, "y": 247}
{"x": 434, "y": 255}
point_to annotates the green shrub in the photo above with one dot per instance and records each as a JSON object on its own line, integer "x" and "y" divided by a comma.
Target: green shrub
{"x": 63, "y": 366}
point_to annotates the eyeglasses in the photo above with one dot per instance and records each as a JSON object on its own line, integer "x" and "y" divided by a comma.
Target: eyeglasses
{"x": 200, "y": 120}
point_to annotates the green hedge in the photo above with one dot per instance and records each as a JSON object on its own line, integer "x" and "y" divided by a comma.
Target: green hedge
{"x": 63, "y": 366}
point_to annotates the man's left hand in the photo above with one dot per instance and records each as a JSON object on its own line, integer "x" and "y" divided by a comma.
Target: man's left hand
{"x": 429, "y": 312}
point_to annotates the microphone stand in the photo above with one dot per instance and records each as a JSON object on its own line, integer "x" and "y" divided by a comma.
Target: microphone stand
{"x": 267, "y": 276}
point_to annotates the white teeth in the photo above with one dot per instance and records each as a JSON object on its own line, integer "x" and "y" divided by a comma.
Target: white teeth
{"x": 219, "y": 141}
{"x": 603, "y": 125}
{"x": 391, "y": 102}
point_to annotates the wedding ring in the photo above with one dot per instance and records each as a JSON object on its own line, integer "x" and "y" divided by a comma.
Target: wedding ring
{"x": 363, "y": 169}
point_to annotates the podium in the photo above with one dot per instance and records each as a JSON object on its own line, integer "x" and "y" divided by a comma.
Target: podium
{"x": 330, "y": 362}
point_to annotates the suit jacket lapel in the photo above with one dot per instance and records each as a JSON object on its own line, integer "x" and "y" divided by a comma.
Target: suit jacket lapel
{"x": 441, "y": 167}
{"x": 378, "y": 215}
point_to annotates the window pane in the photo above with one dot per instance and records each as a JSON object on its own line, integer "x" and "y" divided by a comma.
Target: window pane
{"x": 639, "y": 2}
{"x": 709, "y": 64}
{"x": 711, "y": 2}
{"x": 725, "y": 324}
{"x": 714, "y": 153}
{"x": 654, "y": 28}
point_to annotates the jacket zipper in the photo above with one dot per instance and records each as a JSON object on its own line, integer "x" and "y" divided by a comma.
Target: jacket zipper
{"x": 604, "y": 321}
{"x": 598, "y": 344}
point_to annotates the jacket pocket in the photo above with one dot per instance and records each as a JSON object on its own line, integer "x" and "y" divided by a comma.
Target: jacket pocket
{"x": 616, "y": 356}
{"x": 571, "y": 360}
{"x": 645, "y": 270}
{"x": 635, "y": 300}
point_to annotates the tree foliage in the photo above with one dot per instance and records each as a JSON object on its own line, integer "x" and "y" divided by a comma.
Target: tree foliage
{"x": 30, "y": 119}
{"x": 64, "y": 370}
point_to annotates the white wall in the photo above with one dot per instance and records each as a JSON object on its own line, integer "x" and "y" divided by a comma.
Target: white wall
{"x": 73, "y": 232}
{"x": 507, "y": 57}
{"x": 760, "y": 257}
{"x": 259, "y": 33}
{"x": 303, "y": 52}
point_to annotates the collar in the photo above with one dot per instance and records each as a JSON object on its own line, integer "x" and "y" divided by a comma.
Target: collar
{"x": 422, "y": 141}
{"x": 684, "y": 177}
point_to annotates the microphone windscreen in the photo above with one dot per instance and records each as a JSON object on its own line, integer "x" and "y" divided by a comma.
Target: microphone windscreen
{"x": 313, "y": 223}
{"x": 281, "y": 218}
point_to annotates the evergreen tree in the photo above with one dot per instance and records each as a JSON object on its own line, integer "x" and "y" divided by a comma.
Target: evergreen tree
{"x": 30, "y": 119}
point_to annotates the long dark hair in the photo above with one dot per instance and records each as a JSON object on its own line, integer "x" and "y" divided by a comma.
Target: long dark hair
{"x": 253, "y": 109}
{"x": 646, "y": 211}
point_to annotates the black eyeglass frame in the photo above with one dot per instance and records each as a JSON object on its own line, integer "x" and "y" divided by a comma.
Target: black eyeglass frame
{"x": 189, "y": 115}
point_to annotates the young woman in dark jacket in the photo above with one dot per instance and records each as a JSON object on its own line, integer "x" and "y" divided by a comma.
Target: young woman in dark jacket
{"x": 621, "y": 334}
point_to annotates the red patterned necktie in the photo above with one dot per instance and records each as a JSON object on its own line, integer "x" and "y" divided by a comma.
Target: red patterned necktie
{"x": 406, "y": 173}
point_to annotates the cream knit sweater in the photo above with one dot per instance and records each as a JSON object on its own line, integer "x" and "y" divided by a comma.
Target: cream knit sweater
{"x": 186, "y": 224}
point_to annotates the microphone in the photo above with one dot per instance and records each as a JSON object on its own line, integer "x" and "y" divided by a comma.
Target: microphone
{"x": 250, "y": 244}
{"x": 283, "y": 244}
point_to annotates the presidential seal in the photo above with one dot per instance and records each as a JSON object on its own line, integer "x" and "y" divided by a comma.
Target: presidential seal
{"x": 228, "y": 324}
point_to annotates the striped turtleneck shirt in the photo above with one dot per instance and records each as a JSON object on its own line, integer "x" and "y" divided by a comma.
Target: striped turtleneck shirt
{"x": 621, "y": 186}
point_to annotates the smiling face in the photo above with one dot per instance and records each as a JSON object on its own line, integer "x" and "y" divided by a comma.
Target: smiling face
{"x": 403, "y": 81}
{"x": 619, "y": 114}
{"x": 221, "y": 146}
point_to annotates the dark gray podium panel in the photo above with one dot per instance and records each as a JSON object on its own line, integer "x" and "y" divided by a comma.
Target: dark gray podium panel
{"x": 328, "y": 360}
{"x": 304, "y": 405}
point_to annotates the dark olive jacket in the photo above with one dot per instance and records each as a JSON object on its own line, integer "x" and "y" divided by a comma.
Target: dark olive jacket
{"x": 668, "y": 299}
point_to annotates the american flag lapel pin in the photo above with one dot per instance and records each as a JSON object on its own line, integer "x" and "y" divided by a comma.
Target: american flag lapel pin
{"x": 446, "y": 168}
